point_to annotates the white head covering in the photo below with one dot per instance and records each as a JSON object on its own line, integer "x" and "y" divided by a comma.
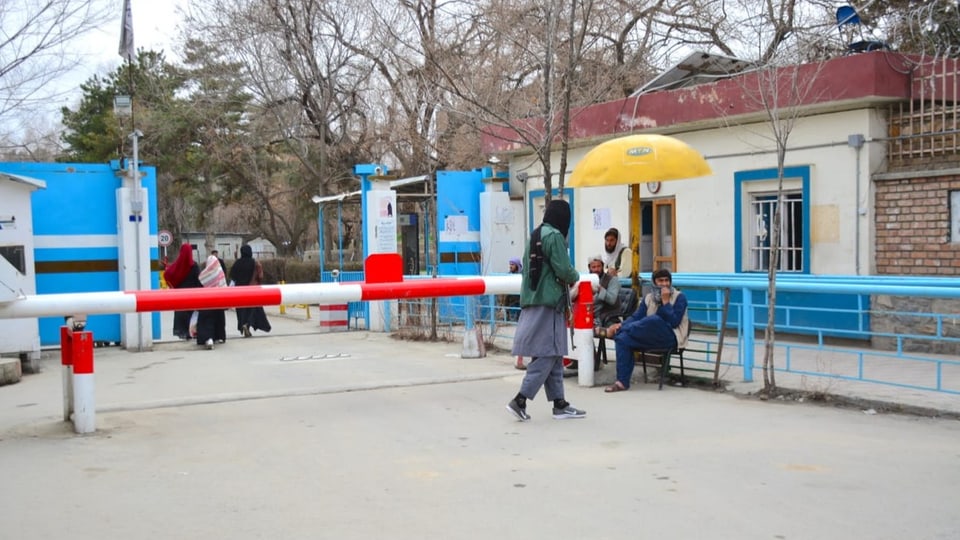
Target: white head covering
{"x": 212, "y": 273}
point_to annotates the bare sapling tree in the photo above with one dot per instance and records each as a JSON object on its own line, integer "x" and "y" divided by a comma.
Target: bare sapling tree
{"x": 782, "y": 37}
{"x": 780, "y": 91}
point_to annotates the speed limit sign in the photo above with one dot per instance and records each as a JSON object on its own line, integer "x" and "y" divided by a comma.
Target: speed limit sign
{"x": 164, "y": 238}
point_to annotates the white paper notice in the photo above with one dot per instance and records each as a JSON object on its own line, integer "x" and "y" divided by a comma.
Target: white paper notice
{"x": 601, "y": 219}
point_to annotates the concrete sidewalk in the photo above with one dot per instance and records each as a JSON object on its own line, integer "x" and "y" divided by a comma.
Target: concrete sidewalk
{"x": 180, "y": 372}
{"x": 296, "y": 434}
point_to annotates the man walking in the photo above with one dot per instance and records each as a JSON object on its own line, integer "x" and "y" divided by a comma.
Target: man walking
{"x": 544, "y": 300}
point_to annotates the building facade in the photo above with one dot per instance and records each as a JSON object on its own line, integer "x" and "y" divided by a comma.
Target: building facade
{"x": 870, "y": 170}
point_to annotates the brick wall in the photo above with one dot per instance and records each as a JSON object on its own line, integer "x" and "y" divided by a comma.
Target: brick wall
{"x": 913, "y": 226}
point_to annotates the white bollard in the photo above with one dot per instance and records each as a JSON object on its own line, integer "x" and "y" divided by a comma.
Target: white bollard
{"x": 583, "y": 340}
{"x": 84, "y": 405}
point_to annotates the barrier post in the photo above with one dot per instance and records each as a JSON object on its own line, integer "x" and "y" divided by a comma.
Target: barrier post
{"x": 332, "y": 318}
{"x": 583, "y": 333}
{"x": 66, "y": 364}
{"x": 84, "y": 409}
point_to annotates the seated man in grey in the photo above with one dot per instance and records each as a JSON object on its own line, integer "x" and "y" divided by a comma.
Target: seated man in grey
{"x": 660, "y": 323}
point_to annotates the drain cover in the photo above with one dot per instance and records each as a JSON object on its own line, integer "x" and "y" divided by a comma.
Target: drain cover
{"x": 313, "y": 357}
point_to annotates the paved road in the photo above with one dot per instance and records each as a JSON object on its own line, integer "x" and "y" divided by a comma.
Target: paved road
{"x": 356, "y": 436}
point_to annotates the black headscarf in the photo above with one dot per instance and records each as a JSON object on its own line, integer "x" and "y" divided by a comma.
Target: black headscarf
{"x": 557, "y": 215}
{"x": 242, "y": 270}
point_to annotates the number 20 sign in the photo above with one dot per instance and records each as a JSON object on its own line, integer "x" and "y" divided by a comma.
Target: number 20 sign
{"x": 164, "y": 238}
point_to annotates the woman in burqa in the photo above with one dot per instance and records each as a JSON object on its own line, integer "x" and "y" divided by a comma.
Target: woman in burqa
{"x": 247, "y": 271}
{"x": 183, "y": 273}
{"x": 212, "y": 323}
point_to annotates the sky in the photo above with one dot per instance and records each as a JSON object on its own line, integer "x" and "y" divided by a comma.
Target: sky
{"x": 155, "y": 25}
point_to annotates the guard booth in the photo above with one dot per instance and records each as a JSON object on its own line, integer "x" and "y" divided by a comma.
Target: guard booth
{"x": 86, "y": 238}
{"x": 20, "y": 337}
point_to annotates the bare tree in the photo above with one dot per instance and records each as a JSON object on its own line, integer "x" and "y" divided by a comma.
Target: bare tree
{"x": 550, "y": 57}
{"x": 35, "y": 50}
{"x": 307, "y": 114}
{"x": 766, "y": 30}
{"x": 780, "y": 92}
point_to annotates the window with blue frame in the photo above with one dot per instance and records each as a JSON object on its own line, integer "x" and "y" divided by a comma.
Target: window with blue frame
{"x": 756, "y": 209}
{"x": 763, "y": 209}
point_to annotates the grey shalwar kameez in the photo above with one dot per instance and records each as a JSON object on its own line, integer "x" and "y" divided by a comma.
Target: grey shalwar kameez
{"x": 544, "y": 297}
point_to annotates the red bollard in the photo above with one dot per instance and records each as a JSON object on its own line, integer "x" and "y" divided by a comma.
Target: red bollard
{"x": 66, "y": 363}
{"x": 583, "y": 333}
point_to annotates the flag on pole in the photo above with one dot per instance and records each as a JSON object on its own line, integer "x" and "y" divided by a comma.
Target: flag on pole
{"x": 126, "y": 33}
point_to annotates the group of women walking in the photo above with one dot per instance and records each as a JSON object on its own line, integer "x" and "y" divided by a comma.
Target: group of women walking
{"x": 208, "y": 326}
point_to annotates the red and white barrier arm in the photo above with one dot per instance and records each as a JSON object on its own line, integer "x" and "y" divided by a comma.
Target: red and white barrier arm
{"x": 52, "y": 305}
{"x": 92, "y": 303}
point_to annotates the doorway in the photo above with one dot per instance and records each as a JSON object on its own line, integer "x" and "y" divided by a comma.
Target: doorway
{"x": 658, "y": 230}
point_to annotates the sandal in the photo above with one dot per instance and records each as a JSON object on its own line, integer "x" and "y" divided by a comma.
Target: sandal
{"x": 615, "y": 387}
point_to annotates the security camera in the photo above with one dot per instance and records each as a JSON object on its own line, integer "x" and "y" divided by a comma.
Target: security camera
{"x": 378, "y": 171}
{"x": 521, "y": 177}
{"x": 335, "y": 273}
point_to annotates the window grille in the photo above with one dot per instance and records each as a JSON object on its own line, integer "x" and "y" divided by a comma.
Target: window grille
{"x": 763, "y": 206}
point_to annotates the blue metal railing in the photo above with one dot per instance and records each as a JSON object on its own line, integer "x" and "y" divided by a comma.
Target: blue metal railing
{"x": 753, "y": 289}
{"x": 846, "y": 314}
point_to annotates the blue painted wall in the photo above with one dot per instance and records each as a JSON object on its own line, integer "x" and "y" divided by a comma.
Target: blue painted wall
{"x": 75, "y": 235}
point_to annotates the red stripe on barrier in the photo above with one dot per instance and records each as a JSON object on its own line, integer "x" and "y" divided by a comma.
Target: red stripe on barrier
{"x": 326, "y": 324}
{"x": 82, "y": 353}
{"x": 333, "y": 307}
{"x": 219, "y": 298}
{"x": 425, "y": 288}
{"x": 66, "y": 346}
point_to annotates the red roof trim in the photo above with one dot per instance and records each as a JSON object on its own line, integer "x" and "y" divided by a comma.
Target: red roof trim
{"x": 866, "y": 77}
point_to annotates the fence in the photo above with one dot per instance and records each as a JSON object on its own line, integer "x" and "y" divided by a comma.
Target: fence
{"x": 897, "y": 331}
{"x": 927, "y": 126}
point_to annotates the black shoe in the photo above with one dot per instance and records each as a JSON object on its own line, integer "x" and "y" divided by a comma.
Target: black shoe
{"x": 518, "y": 411}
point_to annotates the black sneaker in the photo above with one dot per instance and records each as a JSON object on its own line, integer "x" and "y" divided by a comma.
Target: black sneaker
{"x": 518, "y": 411}
{"x": 568, "y": 412}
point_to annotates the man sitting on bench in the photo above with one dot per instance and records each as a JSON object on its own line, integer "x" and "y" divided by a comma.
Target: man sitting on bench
{"x": 659, "y": 324}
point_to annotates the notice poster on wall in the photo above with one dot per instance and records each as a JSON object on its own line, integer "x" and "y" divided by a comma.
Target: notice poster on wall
{"x": 601, "y": 219}
{"x": 384, "y": 209}
{"x": 456, "y": 225}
